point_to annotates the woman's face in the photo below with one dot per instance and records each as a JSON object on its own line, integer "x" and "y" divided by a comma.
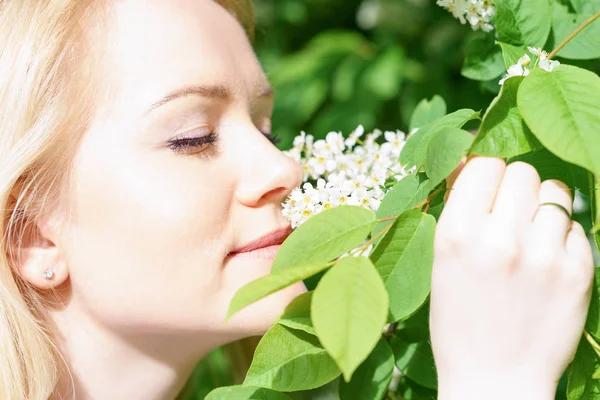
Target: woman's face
{"x": 147, "y": 251}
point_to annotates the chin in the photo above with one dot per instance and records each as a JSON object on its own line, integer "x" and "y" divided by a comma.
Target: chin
{"x": 258, "y": 317}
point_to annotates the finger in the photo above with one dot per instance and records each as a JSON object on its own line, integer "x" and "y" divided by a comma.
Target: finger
{"x": 578, "y": 245}
{"x": 475, "y": 187}
{"x": 518, "y": 196}
{"x": 551, "y": 223}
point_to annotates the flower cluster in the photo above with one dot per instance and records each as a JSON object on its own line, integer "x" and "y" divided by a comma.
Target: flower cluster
{"x": 520, "y": 68}
{"x": 478, "y": 13}
{"x": 347, "y": 171}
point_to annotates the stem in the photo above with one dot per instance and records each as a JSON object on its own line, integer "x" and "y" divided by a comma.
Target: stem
{"x": 427, "y": 208}
{"x": 572, "y": 35}
{"x": 430, "y": 198}
{"x": 427, "y": 201}
{"x": 592, "y": 342}
{"x": 381, "y": 232}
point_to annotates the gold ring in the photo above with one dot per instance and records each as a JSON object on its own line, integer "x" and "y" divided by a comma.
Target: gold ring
{"x": 560, "y": 207}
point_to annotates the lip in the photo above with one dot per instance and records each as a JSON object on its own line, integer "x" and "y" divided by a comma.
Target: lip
{"x": 273, "y": 238}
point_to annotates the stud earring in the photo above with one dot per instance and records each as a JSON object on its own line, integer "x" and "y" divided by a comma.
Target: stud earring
{"x": 48, "y": 274}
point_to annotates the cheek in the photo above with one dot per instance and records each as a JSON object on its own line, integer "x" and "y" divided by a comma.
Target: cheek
{"x": 147, "y": 246}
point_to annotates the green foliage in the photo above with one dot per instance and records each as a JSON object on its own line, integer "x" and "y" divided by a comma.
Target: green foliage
{"x": 581, "y": 384}
{"x": 325, "y": 236}
{"x": 428, "y": 111}
{"x": 297, "y": 314}
{"x": 503, "y": 132}
{"x": 415, "y": 360}
{"x": 592, "y": 324}
{"x": 349, "y": 308}
{"x": 289, "y": 360}
{"x": 523, "y": 22}
{"x": 570, "y": 114}
{"x": 266, "y": 285}
{"x": 512, "y": 53}
{"x": 373, "y": 376}
{"x": 404, "y": 259}
{"x": 585, "y": 45}
{"x": 447, "y": 148}
{"x": 245, "y": 393}
{"x": 484, "y": 60}
{"x": 415, "y": 149}
{"x": 407, "y": 193}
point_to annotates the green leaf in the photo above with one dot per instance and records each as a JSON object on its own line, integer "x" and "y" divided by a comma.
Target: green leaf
{"x": 581, "y": 385}
{"x": 511, "y": 54}
{"x": 407, "y": 193}
{"x": 561, "y": 108}
{"x": 325, "y": 237}
{"x": 372, "y": 378}
{"x": 483, "y": 60}
{"x": 584, "y": 46}
{"x": 586, "y": 5}
{"x": 297, "y": 314}
{"x": 551, "y": 167}
{"x": 262, "y": 287}
{"x": 594, "y": 186}
{"x": 415, "y": 148}
{"x": 239, "y": 392}
{"x": 349, "y": 310}
{"x": 503, "y": 132}
{"x": 446, "y": 149}
{"x": 523, "y": 22}
{"x": 416, "y": 327}
{"x": 415, "y": 360}
{"x": 289, "y": 360}
{"x": 410, "y": 390}
{"x": 404, "y": 258}
{"x": 592, "y": 324}
{"x": 427, "y": 111}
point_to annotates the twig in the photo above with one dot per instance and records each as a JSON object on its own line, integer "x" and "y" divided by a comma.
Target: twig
{"x": 572, "y": 35}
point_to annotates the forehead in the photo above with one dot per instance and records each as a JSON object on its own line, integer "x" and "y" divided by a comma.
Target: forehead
{"x": 158, "y": 46}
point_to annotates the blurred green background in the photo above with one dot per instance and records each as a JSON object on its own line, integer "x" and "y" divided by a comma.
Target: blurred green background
{"x": 339, "y": 63}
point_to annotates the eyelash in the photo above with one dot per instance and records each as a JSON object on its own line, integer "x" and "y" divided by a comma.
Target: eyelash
{"x": 186, "y": 144}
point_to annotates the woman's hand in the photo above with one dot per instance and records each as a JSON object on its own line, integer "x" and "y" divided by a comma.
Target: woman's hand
{"x": 510, "y": 288}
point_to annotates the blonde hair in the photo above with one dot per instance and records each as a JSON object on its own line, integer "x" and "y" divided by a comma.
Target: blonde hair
{"x": 42, "y": 60}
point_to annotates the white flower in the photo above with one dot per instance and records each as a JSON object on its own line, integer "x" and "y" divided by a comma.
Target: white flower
{"x": 517, "y": 69}
{"x": 335, "y": 141}
{"x": 300, "y": 140}
{"x": 535, "y": 50}
{"x": 548, "y": 65}
{"x": 545, "y": 64}
{"x": 343, "y": 174}
{"x": 477, "y": 13}
{"x": 352, "y": 138}
{"x": 294, "y": 153}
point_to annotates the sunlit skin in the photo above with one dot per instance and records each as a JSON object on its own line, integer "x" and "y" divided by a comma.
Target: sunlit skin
{"x": 150, "y": 280}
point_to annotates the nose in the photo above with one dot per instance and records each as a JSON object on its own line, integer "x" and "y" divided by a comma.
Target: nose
{"x": 268, "y": 174}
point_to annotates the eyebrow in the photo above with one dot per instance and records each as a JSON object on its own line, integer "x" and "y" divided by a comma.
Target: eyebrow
{"x": 208, "y": 91}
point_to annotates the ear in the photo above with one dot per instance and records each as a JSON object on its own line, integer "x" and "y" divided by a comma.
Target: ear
{"x": 37, "y": 253}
